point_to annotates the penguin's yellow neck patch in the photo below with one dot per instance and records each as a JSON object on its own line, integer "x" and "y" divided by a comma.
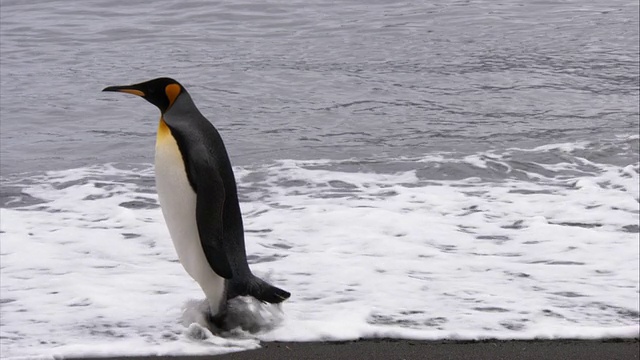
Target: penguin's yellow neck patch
{"x": 163, "y": 131}
{"x": 172, "y": 91}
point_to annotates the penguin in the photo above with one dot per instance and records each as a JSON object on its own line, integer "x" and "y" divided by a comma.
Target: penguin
{"x": 199, "y": 199}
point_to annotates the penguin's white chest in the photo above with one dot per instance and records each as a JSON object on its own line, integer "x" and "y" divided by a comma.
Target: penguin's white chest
{"x": 178, "y": 202}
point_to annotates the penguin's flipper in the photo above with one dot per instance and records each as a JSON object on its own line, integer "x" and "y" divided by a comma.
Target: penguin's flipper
{"x": 209, "y": 205}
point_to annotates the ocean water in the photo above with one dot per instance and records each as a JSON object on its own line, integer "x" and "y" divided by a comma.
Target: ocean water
{"x": 450, "y": 169}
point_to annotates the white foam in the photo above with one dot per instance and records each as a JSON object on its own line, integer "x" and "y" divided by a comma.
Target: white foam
{"x": 565, "y": 147}
{"x": 92, "y": 271}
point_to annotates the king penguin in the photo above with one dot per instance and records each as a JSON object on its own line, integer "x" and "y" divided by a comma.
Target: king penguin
{"x": 199, "y": 200}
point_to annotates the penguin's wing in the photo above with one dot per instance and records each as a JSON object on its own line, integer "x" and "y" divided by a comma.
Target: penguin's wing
{"x": 209, "y": 205}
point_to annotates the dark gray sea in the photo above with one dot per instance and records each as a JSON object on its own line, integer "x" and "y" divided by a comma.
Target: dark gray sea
{"x": 419, "y": 169}
{"x": 317, "y": 79}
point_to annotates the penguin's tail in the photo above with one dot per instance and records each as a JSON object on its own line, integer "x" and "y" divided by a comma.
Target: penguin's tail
{"x": 257, "y": 288}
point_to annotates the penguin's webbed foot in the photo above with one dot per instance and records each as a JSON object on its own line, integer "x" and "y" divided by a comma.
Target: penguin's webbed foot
{"x": 218, "y": 321}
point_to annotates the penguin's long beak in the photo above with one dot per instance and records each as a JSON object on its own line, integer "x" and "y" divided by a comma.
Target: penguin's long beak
{"x": 130, "y": 89}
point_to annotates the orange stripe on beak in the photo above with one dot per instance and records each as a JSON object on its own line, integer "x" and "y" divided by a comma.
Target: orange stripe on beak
{"x": 132, "y": 91}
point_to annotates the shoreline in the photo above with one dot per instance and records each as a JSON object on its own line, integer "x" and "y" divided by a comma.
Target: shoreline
{"x": 614, "y": 348}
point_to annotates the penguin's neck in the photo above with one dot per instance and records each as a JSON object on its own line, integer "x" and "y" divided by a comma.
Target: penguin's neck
{"x": 164, "y": 133}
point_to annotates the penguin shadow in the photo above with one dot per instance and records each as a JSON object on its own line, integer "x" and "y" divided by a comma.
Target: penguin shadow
{"x": 245, "y": 316}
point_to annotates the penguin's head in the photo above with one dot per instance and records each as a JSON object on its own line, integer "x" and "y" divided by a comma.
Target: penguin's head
{"x": 161, "y": 92}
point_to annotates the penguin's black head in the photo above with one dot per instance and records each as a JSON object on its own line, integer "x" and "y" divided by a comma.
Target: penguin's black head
{"x": 161, "y": 92}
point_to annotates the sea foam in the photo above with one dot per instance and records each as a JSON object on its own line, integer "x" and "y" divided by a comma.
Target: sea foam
{"x": 523, "y": 250}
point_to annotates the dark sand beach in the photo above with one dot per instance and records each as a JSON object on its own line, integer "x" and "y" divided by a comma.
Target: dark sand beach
{"x": 609, "y": 349}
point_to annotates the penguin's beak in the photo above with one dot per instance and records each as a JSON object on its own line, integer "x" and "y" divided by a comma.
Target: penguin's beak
{"x": 130, "y": 89}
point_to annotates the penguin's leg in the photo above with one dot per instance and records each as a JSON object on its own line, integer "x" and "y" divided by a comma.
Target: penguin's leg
{"x": 218, "y": 320}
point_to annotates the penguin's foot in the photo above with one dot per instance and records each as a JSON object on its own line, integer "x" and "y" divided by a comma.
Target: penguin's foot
{"x": 217, "y": 322}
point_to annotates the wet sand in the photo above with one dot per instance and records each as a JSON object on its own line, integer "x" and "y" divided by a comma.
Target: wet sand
{"x": 611, "y": 349}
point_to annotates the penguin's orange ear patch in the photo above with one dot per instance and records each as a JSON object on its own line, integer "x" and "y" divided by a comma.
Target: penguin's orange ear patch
{"x": 172, "y": 91}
